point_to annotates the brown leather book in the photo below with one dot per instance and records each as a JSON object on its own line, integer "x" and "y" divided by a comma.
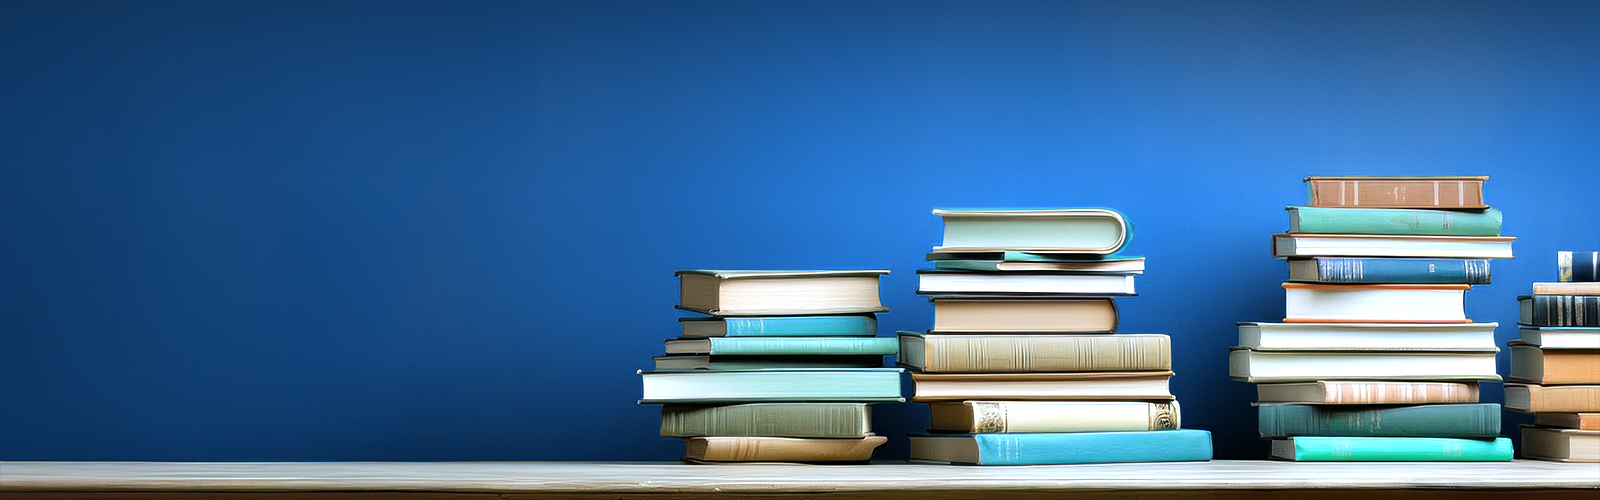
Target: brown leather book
{"x": 1583, "y": 421}
{"x": 1397, "y": 192}
{"x": 1533, "y": 365}
{"x": 1018, "y": 353}
{"x": 778, "y": 449}
{"x": 1339, "y": 392}
{"x": 1553, "y": 398}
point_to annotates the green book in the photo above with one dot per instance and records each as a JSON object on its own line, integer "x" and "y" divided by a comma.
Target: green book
{"x": 1393, "y": 221}
{"x": 824, "y": 420}
{"x": 1091, "y": 231}
{"x": 1480, "y": 420}
{"x": 863, "y": 385}
{"x": 784, "y": 346}
{"x": 1391, "y": 449}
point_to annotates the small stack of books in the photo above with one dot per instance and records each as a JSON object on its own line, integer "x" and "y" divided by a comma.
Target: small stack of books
{"x": 1375, "y": 315}
{"x": 1555, "y": 367}
{"x": 1021, "y": 366}
{"x": 781, "y": 369}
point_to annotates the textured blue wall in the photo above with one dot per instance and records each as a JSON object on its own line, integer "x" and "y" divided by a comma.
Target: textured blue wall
{"x": 447, "y": 231}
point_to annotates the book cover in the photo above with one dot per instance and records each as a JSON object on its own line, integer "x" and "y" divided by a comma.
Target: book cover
{"x": 1393, "y": 221}
{"x": 1577, "y": 266}
{"x": 1000, "y": 417}
{"x": 1133, "y": 265}
{"x": 679, "y": 362}
{"x": 1560, "y": 310}
{"x": 1048, "y": 315}
{"x": 1569, "y": 420}
{"x": 834, "y": 420}
{"x": 943, "y": 282}
{"x": 1182, "y": 445}
{"x": 1002, "y": 353}
{"x": 767, "y": 293}
{"x": 1367, "y": 392}
{"x": 1342, "y": 270}
{"x": 774, "y": 385}
{"x": 1080, "y": 386}
{"x": 1391, "y": 449}
{"x": 863, "y": 325}
{"x": 1097, "y": 231}
{"x": 1480, "y": 420}
{"x": 778, "y": 346}
{"x": 1319, "y": 303}
{"x": 780, "y": 449}
{"x": 1458, "y": 192}
{"x": 1531, "y": 398}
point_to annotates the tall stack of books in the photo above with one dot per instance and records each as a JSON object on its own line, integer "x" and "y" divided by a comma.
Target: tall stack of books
{"x": 1021, "y": 366}
{"x": 781, "y": 368}
{"x": 1376, "y": 359}
{"x": 1555, "y": 367}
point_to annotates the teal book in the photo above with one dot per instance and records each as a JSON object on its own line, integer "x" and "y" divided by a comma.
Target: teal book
{"x": 1052, "y": 448}
{"x": 1440, "y": 420}
{"x": 1391, "y": 449}
{"x": 798, "y": 385}
{"x": 1389, "y": 270}
{"x": 864, "y": 325}
{"x": 707, "y": 362}
{"x": 785, "y": 346}
{"x": 1393, "y": 221}
{"x": 1089, "y": 231}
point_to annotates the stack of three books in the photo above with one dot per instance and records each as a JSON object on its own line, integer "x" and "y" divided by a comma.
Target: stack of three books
{"x": 1555, "y": 365}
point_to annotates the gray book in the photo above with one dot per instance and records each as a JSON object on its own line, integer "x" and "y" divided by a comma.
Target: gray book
{"x": 836, "y": 420}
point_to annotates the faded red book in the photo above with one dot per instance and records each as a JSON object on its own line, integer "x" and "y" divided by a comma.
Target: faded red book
{"x": 1397, "y": 192}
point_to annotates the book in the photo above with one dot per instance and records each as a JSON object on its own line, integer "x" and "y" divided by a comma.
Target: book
{"x": 1252, "y": 365}
{"x": 1562, "y": 337}
{"x": 860, "y": 325}
{"x": 1560, "y": 445}
{"x": 987, "y": 417}
{"x": 1391, "y": 449}
{"x": 1286, "y": 245}
{"x": 772, "y": 385}
{"x": 763, "y": 293}
{"x": 1559, "y": 310}
{"x": 835, "y": 420}
{"x": 1090, "y": 386}
{"x": 1553, "y": 398}
{"x": 1364, "y": 392}
{"x": 1533, "y": 365}
{"x": 1182, "y": 445}
{"x": 937, "y": 282}
{"x": 1055, "y": 257}
{"x": 1096, "y": 231}
{"x": 1567, "y": 288}
{"x": 1317, "y": 303}
{"x": 1387, "y": 270}
{"x": 678, "y": 362}
{"x": 1393, "y": 221}
{"x": 1002, "y": 353}
{"x": 814, "y": 346}
{"x": 1462, "y": 192}
{"x": 1577, "y": 266}
{"x": 1082, "y": 315}
{"x": 1111, "y": 264}
{"x": 1361, "y": 336}
{"x": 1433, "y": 420}
{"x": 780, "y": 449}
{"x": 1569, "y": 420}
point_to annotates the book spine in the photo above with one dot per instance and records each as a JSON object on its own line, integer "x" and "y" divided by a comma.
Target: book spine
{"x": 1093, "y": 447}
{"x": 747, "y": 346}
{"x": 1400, "y": 393}
{"x": 1395, "y": 221}
{"x": 1567, "y": 399}
{"x": 1410, "y": 193}
{"x": 1565, "y": 310}
{"x": 1090, "y": 416}
{"x": 1400, "y": 449}
{"x": 1365, "y": 270}
{"x": 838, "y": 420}
{"x": 802, "y": 326}
{"x": 1448, "y": 420}
{"x": 1578, "y": 266}
{"x": 1047, "y": 353}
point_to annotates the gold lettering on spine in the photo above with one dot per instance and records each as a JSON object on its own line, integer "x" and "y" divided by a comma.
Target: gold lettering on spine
{"x": 1163, "y": 416}
{"x": 988, "y": 417}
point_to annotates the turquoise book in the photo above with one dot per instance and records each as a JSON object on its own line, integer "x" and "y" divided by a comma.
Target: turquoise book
{"x": 863, "y": 325}
{"x": 1389, "y": 270}
{"x": 797, "y": 385}
{"x": 1480, "y": 420}
{"x": 785, "y": 346}
{"x": 1054, "y": 448}
{"x": 1391, "y": 449}
{"x": 1318, "y": 220}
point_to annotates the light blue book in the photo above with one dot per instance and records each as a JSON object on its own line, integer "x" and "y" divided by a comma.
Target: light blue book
{"x": 798, "y": 385}
{"x": 781, "y": 326}
{"x": 785, "y": 346}
{"x": 1182, "y": 445}
{"x": 1391, "y": 449}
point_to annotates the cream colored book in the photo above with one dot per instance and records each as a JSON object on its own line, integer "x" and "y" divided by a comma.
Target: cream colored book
{"x": 1096, "y": 315}
{"x": 757, "y": 293}
{"x": 1013, "y": 353}
{"x": 981, "y": 417}
{"x": 830, "y": 420}
{"x": 1088, "y": 386}
{"x": 1553, "y": 398}
{"x": 1560, "y": 445}
{"x": 1363, "y": 392}
{"x": 780, "y": 449}
{"x": 1567, "y": 288}
{"x": 1531, "y": 364}
{"x": 1584, "y": 421}
{"x": 1307, "y": 366}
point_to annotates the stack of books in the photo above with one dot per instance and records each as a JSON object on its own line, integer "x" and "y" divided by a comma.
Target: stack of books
{"x": 1376, "y": 359}
{"x": 781, "y": 368}
{"x": 1555, "y": 367}
{"x": 1021, "y": 366}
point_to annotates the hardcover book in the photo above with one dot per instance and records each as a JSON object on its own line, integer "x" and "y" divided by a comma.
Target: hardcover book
{"x": 1569, "y": 420}
{"x": 1577, "y": 266}
{"x": 1393, "y": 221}
{"x": 1463, "y": 192}
{"x": 940, "y": 282}
{"x": 834, "y": 420}
{"x": 1560, "y": 310}
{"x": 1087, "y": 315}
{"x": 1063, "y": 448}
{"x": 1567, "y": 288}
{"x": 859, "y": 325}
{"x": 1092, "y": 386}
{"x": 1391, "y": 449}
{"x": 1363, "y": 392}
{"x": 1371, "y": 270}
{"x": 1432, "y": 420}
{"x": 774, "y": 385}
{"x": 1560, "y": 445}
{"x": 679, "y": 362}
{"x": 1001, "y": 353}
{"x": 1317, "y": 303}
{"x": 1308, "y": 366}
{"x": 1562, "y": 337}
{"x": 1367, "y": 336}
{"x": 1533, "y": 365}
{"x": 764, "y": 293}
{"x": 780, "y": 449}
{"x": 1553, "y": 398}
{"x": 1381, "y": 245}
{"x": 1096, "y": 231}
{"x": 1009, "y": 262}
{"x": 999, "y": 417}
{"x": 813, "y": 346}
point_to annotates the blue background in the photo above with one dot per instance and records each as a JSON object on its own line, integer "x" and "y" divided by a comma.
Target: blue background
{"x": 447, "y": 231}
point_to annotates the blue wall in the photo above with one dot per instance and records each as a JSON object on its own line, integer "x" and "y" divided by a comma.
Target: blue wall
{"x": 447, "y": 231}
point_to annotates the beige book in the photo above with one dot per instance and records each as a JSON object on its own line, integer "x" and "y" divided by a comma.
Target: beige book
{"x": 755, "y": 293}
{"x": 1584, "y": 421}
{"x": 1093, "y": 386}
{"x": 1567, "y": 288}
{"x": 1013, "y": 353}
{"x": 779, "y": 449}
{"x": 1560, "y": 445}
{"x": 831, "y": 420}
{"x": 1553, "y": 398}
{"x": 981, "y": 417}
{"x": 1355, "y": 392}
{"x": 1533, "y": 365}
{"x": 1098, "y": 315}
{"x": 1397, "y": 192}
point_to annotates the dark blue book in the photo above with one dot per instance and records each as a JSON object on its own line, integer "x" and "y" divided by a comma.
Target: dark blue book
{"x": 1578, "y": 266}
{"x": 1184, "y": 445}
{"x": 1381, "y": 270}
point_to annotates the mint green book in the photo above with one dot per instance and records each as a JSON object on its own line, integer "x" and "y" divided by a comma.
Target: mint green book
{"x": 1393, "y": 221}
{"x": 865, "y": 385}
{"x": 1481, "y": 420}
{"x": 1391, "y": 449}
{"x": 859, "y": 325}
{"x": 785, "y": 346}
{"x": 1090, "y": 231}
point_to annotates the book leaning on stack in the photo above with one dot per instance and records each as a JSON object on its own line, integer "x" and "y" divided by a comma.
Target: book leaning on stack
{"x": 1376, "y": 359}
{"x": 781, "y": 367}
{"x": 1022, "y": 365}
{"x": 1555, "y": 366}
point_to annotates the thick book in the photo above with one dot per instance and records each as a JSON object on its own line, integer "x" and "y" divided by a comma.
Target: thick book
{"x": 1529, "y": 398}
{"x": 777, "y": 346}
{"x": 942, "y": 282}
{"x": 1290, "y": 245}
{"x": 1577, "y": 266}
{"x": 1251, "y": 365}
{"x": 1008, "y": 261}
{"x": 765, "y": 293}
{"x": 1002, "y": 353}
{"x": 1318, "y": 303}
{"x": 1566, "y": 288}
{"x": 1393, "y": 221}
{"x": 831, "y": 420}
{"x": 1534, "y": 365}
{"x": 1356, "y": 270}
{"x": 857, "y": 325}
{"x": 1391, "y": 449}
{"x": 1560, "y": 445}
{"x": 1183, "y": 445}
{"x": 1435, "y": 420}
{"x": 1450, "y": 192}
{"x": 1560, "y": 310}
{"x": 773, "y": 385}
{"x": 712, "y": 449}
{"x": 1367, "y": 392}
{"x": 1077, "y": 315}
{"x": 990, "y": 417}
{"x": 1086, "y": 386}
{"x": 678, "y": 362}
{"x": 1363, "y": 336}
{"x": 1096, "y": 231}
{"x": 1562, "y": 337}
{"x": 1569, "y": 420}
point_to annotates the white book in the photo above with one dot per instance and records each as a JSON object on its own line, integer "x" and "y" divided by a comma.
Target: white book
{"x": 1318, "y": 303}
{"x": 1562, "y": 337}
{"x": 1385, "y": 245}
{"x": 759, "y": 293}
{"x": 1309, "y": 366}
{"x": 979, "y": 417}
{"x": 1359, "y": 336}
{"x": 936, "y": 282}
